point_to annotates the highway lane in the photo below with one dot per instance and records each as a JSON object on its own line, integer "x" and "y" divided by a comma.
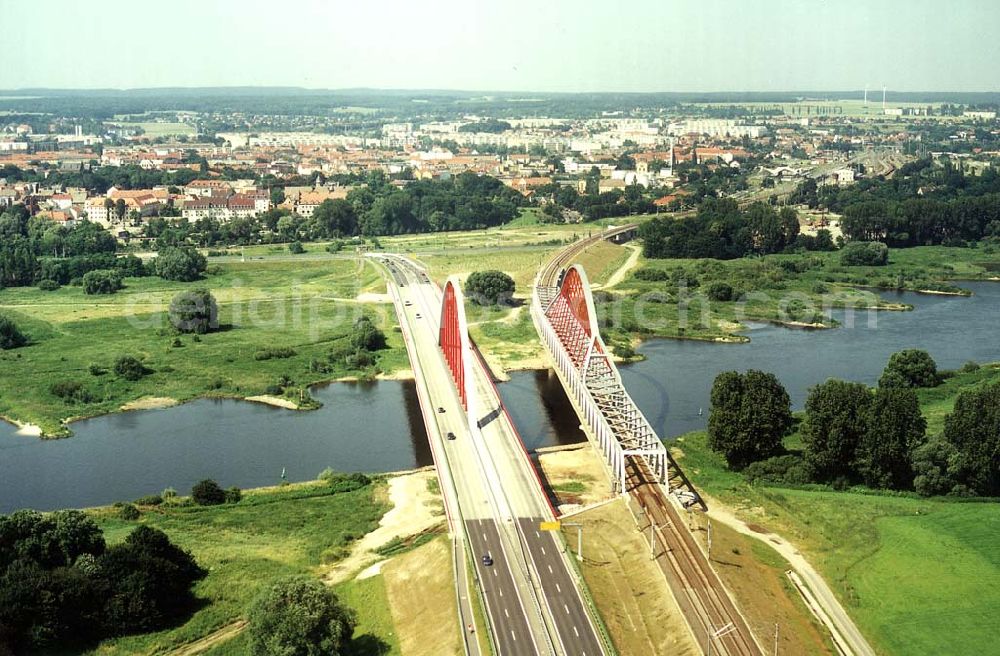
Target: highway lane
{"x": 558, "y": 586}
{"x": 510, "y": 617}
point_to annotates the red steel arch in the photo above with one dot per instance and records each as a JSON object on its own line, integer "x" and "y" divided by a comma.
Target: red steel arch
{"x": 573, "y": 316}
{"x": 450, "y": 337}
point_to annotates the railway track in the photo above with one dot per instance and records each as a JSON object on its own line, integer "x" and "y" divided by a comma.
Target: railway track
{"x": 549, "y": 275}
{"x": 703, "y": 599}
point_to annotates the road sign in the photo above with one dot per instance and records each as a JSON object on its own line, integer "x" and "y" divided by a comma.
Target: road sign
{"x": 549, "y": 526}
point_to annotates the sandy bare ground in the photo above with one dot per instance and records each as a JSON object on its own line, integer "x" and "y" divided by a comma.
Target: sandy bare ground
{"x": 421, "y": 593}
{"x": 628, "y": 587}
{"x": 149, "y": 403}
{"x": 414, "y": 510}
{"x": 276, "y": 401}
{"x": 624, "y": 269}
{"x": 372, "y": 297}
{"x": 26, "y": 429}
{"x": 575, "y": 476}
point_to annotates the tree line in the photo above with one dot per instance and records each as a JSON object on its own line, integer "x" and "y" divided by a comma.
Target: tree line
{"x": 852, "y": 434}
{"x": 63, "y": 587}
{"x": 723, "y": 231}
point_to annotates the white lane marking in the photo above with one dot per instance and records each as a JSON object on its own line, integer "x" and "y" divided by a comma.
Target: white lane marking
{"x": 512, "y": 635}
{"x": 500, "y": 590}
{"x": 558, "y": 588}
{"x": 538, "y": 535}
{"x": 550, "y": 569}
{"x": 576, "y": 632}
{"x": 543, "y": 551}
{"x": 506, "y": 613}
{"x": 567, "y": 608}
{"x": 495, "y": 573}
{"x": 484, "y": 536}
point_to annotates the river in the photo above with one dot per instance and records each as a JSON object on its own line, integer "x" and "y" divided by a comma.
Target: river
{"x": 377, "y": 427}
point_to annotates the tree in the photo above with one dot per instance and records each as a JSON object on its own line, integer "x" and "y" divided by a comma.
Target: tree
{"x": 865, "y": 253}
{"x": 973, "y": 429}
{"x": 366, "y": 336}
{"x": 194, "y": 311}
{"x": 910, "y": 368}
{"x": 750, "y": 415}
{"x": 299, "y": 616}
{"x": 894, "y": 428}
{"x": 10, "y": 335}
{"x": 836, "y": 415}
{"x": 277, "y": 196}
{"x": 102, "y": 281}
{"x": 932, "y": 467}
{"x": 296, "y": 248}
{"x": 130, "y": 368}
{"x": 489, "y": 287}
{"x": 208, "y": 493}
{"x": 181, "y": 264}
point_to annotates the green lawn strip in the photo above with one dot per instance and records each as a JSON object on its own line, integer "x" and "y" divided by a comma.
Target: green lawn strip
{"x": 375, "y": 634}
{"x": 272, "y": 533}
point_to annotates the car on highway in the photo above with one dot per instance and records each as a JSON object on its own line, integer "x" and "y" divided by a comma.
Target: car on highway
{"x": 487, "y": 560}
{"x": 408, "y": 304}
{"x": 440, "y": 410}
{"x": 451, "y": 435}
{"x": 418, "y": 315}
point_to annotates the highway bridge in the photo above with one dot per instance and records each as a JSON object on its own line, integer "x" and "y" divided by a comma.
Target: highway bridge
{"x": 522, "y": 576}
{"x": 562, "y": 308}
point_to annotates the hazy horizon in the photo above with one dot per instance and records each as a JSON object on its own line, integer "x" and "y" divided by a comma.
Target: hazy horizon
{"x": 517, "y": 46}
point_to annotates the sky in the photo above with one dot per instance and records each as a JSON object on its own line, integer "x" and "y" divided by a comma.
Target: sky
{"x": 504, "y": 45}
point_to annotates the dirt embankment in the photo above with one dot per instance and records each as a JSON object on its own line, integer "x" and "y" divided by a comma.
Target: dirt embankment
{"x": 415, "y": 509}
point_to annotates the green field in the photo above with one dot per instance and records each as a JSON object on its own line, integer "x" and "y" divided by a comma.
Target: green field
{"x": 304, "y": 305}
{"x": 270, "y": 534}
{"x": 919, "y": 576}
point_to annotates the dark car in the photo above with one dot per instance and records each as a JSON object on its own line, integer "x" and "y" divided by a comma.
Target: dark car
{"x": 440, "y": 410}
{"x": 450, "y": 435}
{"x": 487, "y": 560}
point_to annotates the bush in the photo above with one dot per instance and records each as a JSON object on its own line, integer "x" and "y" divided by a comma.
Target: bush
{"x": 652, "y": 275}
{"x": 96, "y": 369}
{"x": 129, "y": 512}
{"x": 489, "y": 287}
{"x": 785, "y": 470}
{"x": 277, "y": 353}
{"x": 150, "y": 500}
{"x": 71, "y": 391}
{"x": 11, "y": 336}
{"x": 720, "y": 291}
{"x": 181, "y": 264}
{"x": 48, "y": 285}
{"x": 208, "y": 493}
{"x": 130, "y": 368}
{"x": 233, "y": 494}
{"x": 970, "y": 367}
{"x": 366, "y": 337}
{"x": 194, "y": 311}
{"x": 296, "y": 248}
{"x": 340, "y": 482}
{"x": 865, "y": 253}
{"x": 102, "y": 281}
{"x": 168, "y": 494}
{"x": 623, "y": 351}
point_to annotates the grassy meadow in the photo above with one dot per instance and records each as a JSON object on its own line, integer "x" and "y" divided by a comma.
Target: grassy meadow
{"x": 307, "y": 306}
